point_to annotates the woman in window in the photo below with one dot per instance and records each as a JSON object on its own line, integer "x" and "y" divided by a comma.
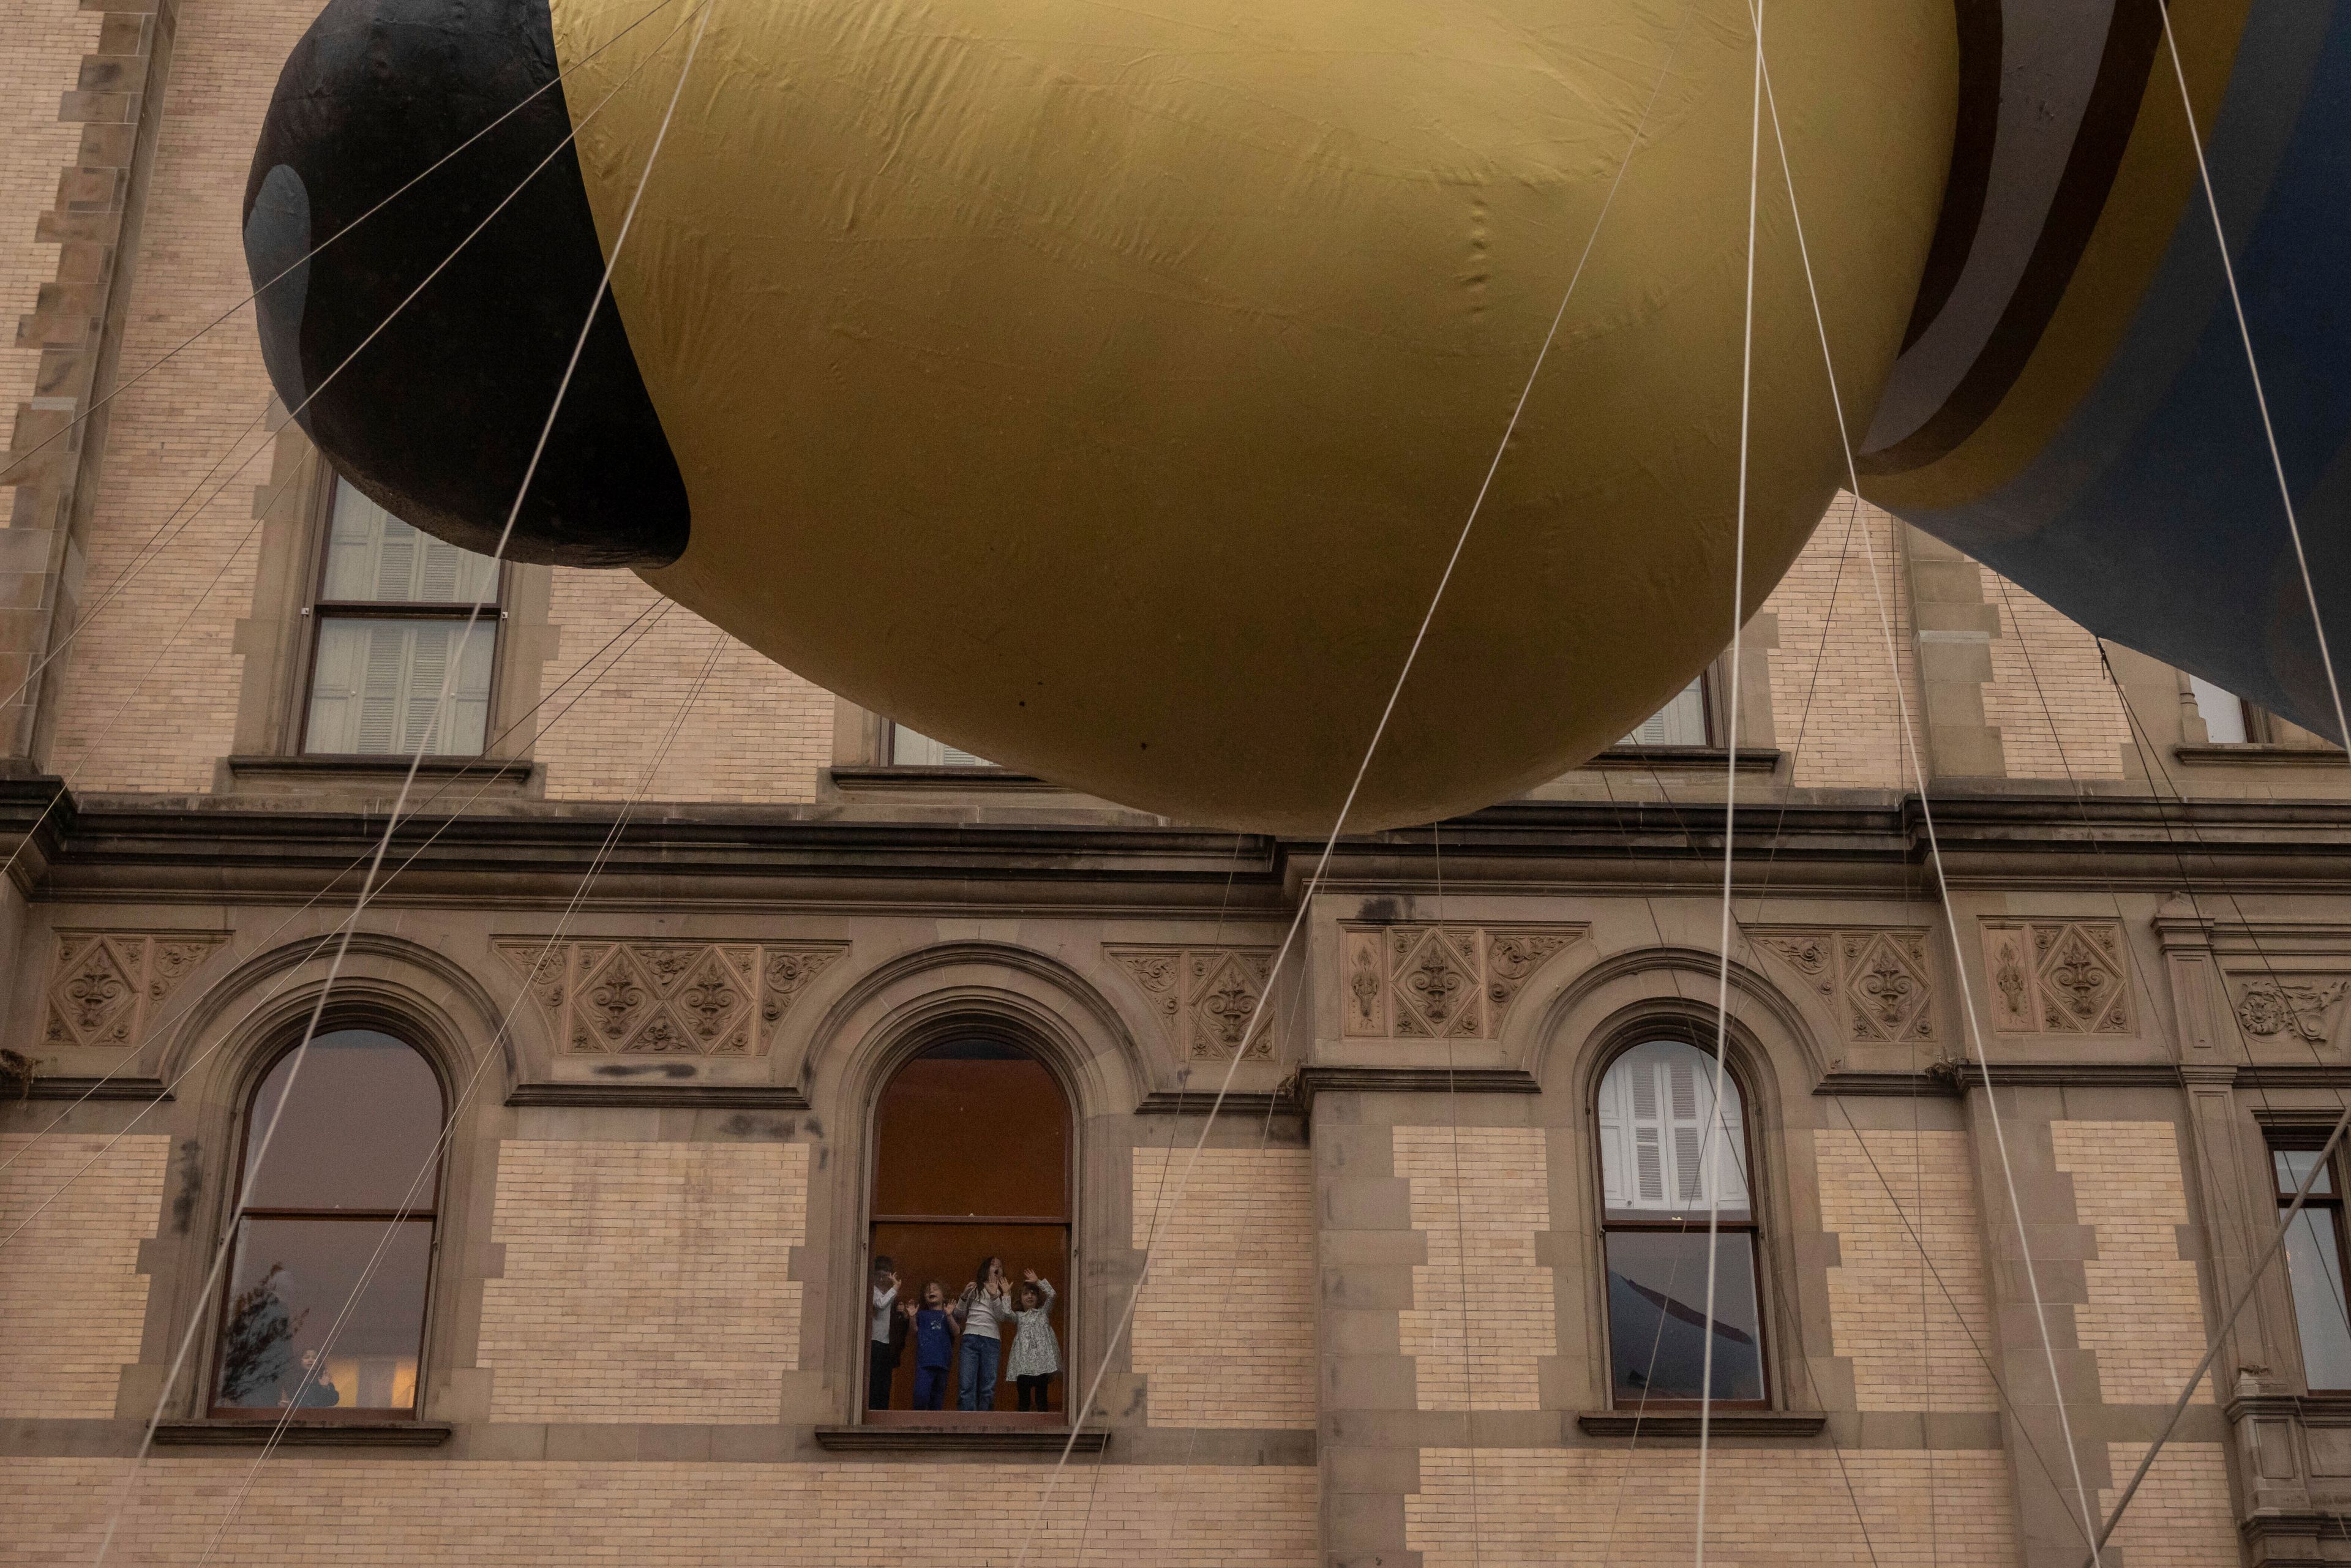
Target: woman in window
{"x": 1659, "y": 1178}
{"x": 353, "y": 1166}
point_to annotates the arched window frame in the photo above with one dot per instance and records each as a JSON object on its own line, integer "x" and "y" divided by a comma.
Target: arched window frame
{"x": 273, "y": 1042}
{"x": 1759, "y": 1227}
{"x": 944, "y": 1025}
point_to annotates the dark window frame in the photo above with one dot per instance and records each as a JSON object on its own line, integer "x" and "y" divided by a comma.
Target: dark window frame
{"x": 317, "y": 610}
{"x": 2287, "y": 1141}
{"x": 249, "y": 1103}
{"x": 1753, "y": 1226}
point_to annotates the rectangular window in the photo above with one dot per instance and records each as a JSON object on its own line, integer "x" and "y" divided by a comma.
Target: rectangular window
{"x": 392, "y": 609}
{"x": 911, "y": 748}
{"x": 1681, "y": 722}
{"x": 2314, "y": 1262}
{"x": 2224, "y": 712}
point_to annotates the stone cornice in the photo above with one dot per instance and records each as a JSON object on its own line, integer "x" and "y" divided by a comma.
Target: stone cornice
{"x": 209, "y": 847}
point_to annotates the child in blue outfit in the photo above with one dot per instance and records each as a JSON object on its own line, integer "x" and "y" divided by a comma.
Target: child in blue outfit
{"x": 934, "y": 1337}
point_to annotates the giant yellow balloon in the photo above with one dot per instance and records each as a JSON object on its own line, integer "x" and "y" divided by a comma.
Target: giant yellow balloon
{"x": 1103, "y": 388}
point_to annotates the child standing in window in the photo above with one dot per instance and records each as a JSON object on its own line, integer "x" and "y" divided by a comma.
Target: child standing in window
{"x": 933, "y": 1333}
{"x": 985, "y": 1310}
{"x": 1035, "y": 1355}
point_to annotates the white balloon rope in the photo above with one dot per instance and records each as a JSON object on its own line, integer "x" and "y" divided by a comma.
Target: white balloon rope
{"x": 19, "y": 459}
{"x": 1329, "y": 844}
{"x": 1461, "y": 1233}
{"x": 448, "y": 684}
{"x": 233, "y": 1029}
{"x": 149, "y": 552}
{"x": 2253, "y": 368}
{"x": 423, "y": 1179}
{"x": 1926, "y": 816}
{"x": 1711, "y": 1161}
{"x": 2286, "y": 1220}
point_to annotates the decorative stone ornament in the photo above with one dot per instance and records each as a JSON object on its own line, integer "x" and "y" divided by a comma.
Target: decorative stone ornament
{"x": 109, "y": 986}
{"x": 666, "y": 998}
{"x": 1879, "y": 983}
{"x": 1440, "y": 982}
{"x": 2057, "y": 976}
{"x": 1204, "y": 998}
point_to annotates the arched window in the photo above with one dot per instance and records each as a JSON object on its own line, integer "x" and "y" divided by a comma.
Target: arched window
{"x": 972, "y": 1162}
{"x": 354, "y": 1155}
{"x": 1656, "y": 1110}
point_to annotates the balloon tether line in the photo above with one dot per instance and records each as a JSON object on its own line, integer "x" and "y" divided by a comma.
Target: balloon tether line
{"x": 1346, "y": 806}
{"x": 1934, "y": 844}
{"x": 383, "y": 845}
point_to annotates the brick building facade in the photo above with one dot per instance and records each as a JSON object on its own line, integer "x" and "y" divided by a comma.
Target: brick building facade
{"x": 1377, "y": 1323}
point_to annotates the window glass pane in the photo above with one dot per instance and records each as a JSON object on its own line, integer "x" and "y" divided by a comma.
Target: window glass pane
{"x": 2223, "y": 712}
{"x": 1681, "y": 722}
{"x": 2293, "y": 1165}
{"x": 1656, "y": 1316}
{"x": 951, "y": 1255}
{"x": 972, "y": 1128}
{"x": 2315, "y": 1264}
{"x": 364, "y": 1116}
{"x": 909, "y": 748}
{"x": 377, "y": 682}
{"x": 291, "y": 1280}
{"x": 372, "y": 554}
{"x": 1656, "y": 1118}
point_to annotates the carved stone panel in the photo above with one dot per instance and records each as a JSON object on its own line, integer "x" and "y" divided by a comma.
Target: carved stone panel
{"x": 2057, "y": 976}
{"x": 109, "y": 986}
{"x": 1204, "y": 998}
{"x": 666, "y": 998}
{"x": 2291, "y": 1008}
{"x": 1439, "y": 982}
{"x": 1879, "y": 983}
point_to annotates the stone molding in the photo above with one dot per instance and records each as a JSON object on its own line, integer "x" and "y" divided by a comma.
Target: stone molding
{"x": 1685, "y": 1423}
{"x": 1204, "y": 998}
{"x": 108, "y": 985}
{"x": 633, "y": 1094}
{"x": 2057, "y": 976}
{"x": 303, "y": 1433}
{"x": 1439, "y": 982}
{"x": 1880, "y": 984}
{"x": 666, "y": 998}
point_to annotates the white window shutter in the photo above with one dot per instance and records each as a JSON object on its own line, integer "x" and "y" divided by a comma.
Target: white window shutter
{"x": 1681, "y": 722}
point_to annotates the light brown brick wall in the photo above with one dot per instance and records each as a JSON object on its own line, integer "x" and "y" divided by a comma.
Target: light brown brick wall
{"x": 1852, "y": 738}
{"x": 1225, "y": 1331}
{"x": 71, "y": 1298}
{"x": 1480, "y": 1227}
{"x": 2183, "y": 1517}
{"x": 2046, "y": 667}
{"x": 169, "y": 429}
{"x": 311, "y": 1510}
{"x": 644, "y": 1282}
{"x": 46, "y": 42}
{"x": 755, "y": 733}
{"x": 1764, "y": 1506}
{"x": 1906, "y": 1326}
{"x": 2144, "y": 1317}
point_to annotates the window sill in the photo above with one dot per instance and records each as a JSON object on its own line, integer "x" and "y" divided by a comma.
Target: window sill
{"x": 304, "y": 1434}
{"x": 909, "y": 776}
{"x": 2257, "y": 755}
{"x": 1683, "y": 759}
{"x": 1685, "y": 1423}
{"x": 893, "y": 1438}
{"x": 324, "y": 768}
